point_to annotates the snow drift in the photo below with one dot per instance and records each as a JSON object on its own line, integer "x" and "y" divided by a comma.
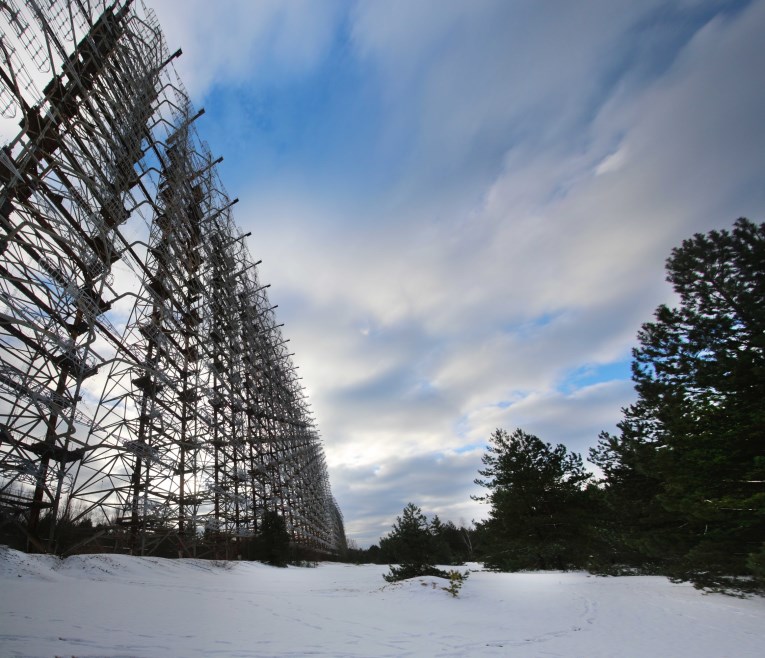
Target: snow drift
{"x": 114, "y": 605}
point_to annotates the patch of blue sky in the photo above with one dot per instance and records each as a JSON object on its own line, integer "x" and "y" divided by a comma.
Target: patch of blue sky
{"x": 470, "y": 447}
{"x": 515, "y": 397}
{"x": 531, "y": 326}
{"x": 591, "y": 374}
{"x": 320, "y": 126}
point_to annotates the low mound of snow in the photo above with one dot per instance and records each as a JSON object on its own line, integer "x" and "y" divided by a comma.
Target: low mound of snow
{"x": 114, "y": 605}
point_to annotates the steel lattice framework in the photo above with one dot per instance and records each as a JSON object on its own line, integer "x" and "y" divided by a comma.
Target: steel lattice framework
{"x": 145, "y": 383}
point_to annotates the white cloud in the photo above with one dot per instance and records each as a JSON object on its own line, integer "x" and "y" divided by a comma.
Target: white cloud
{"x": 481, "y": 298}
{"x": 612, "y": 162}
{"x": 239, "y": 41}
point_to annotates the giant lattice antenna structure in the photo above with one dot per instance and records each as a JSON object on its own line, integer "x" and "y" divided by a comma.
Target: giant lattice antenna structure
{"x": 145, "y": 384}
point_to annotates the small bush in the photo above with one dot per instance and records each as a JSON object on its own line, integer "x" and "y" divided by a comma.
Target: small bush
{"x": 406, "y": 571}
{"x": 456, "y": 580}
{"x": 305, "y": 564}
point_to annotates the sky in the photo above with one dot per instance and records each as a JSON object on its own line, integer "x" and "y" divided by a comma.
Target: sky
{"x": 464, "y": 207}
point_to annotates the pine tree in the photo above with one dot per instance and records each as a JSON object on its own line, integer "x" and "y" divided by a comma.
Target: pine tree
{"x": 632, "y": 529}
{"x": 273, "y": 540}
{"x": 538, "y": 504}
{"x": 690, "y": 456}
{"x": 442, "y": 553}
{"x": 410, "y": 544}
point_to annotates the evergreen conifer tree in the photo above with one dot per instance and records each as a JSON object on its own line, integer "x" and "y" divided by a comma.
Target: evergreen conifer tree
{"x": 273, "y": 541}
{"x": 688, "y": 468}
{"x": 538, "y": 504}
{"x": 411, "y": 545}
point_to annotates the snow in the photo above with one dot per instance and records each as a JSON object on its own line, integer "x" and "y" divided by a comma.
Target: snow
{"x": 115, "y": 605}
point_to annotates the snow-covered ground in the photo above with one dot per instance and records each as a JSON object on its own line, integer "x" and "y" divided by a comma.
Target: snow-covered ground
{"x": 113, "y": 605}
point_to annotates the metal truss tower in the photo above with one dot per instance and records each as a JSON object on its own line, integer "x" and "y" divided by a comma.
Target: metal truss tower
{"x": 147, "y": 396}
